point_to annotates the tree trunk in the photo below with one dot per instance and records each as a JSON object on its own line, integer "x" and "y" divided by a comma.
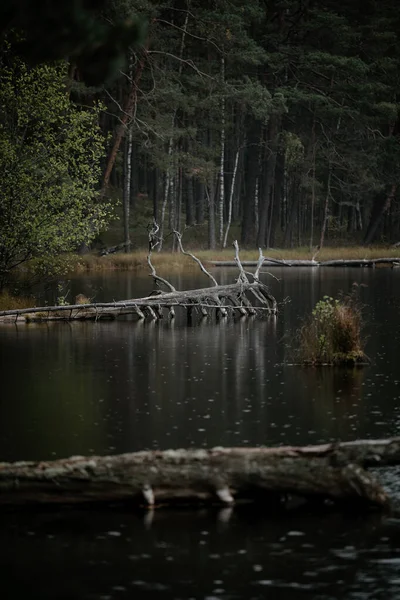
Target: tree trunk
{"x": 326, "y": 209}
{"x": 210, "y": 191}
{"x": 200, "y": 194}
{"x": 127, "y": 191}
{"x": 169, "y": 175}
{"x": 268, "y": 197}
{"x": 231, "y": 197}
{"x": 126, "y": 116}
{"x": 190, "y": 206}
{"x": 221, "y": 475}
{"x": 252, "y": 173}
{"x": 292, "y": 191}
{"x": 381, "y": 208}
{"x": 314, "y": 152}
{"x": 222, "y": 159}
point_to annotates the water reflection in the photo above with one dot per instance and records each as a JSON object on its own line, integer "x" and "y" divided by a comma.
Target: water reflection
{"x": 198, "y": 555}
{"x": 113, "y": 387}
{"x": 126, "y": 385}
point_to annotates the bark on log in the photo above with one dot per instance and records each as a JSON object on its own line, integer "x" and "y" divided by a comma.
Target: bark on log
{"x": 272, "y": 262}
{"x": 219, "y": 475}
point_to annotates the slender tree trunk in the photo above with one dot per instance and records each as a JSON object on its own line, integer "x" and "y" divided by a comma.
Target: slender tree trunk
{"x": 231, "y": 196}
{"x": 276, "y": 198}
{"x": 377, "y": 215}
{"x": 238, "y": 188}
{"x": 200, "y": 194}
{"x": 168, "y": 177}
{"x": 257, "y": 193}
{"x": 326, "y": 209}
{"x": 267, "y": 201}
{"x": 314, "y": 151}
{"x": 292, "y": 191}
{"x": 252, "y": 173}
{"x": 222, "y": 159}
{"x": 127, "y": 192}
{"x": 210, "y": 191}
{"x": 166, "y": 195}
{"x": 190, "y": 207}
{"x": 127, "y": 115}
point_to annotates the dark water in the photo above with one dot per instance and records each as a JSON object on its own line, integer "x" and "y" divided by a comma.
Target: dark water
{"x": 123, "y": 386}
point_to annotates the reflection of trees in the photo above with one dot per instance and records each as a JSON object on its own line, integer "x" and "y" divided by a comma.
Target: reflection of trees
{"x": 49, "y": 394}
{"x": 197, "y": 384}
{"x": 126, "y": 385}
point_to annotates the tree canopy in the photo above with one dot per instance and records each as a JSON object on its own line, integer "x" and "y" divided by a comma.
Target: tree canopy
{"x": 276, "y": 119}
{"x": 50, "y": 152}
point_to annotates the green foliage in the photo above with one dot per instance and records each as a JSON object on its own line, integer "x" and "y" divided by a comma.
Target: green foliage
{"x": 50, "y": 154}
{"x": 332, "y": 333}
{"x": 74, "y": 29}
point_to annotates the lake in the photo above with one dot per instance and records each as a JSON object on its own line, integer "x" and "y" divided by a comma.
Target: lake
{"x": 111, "y": 387}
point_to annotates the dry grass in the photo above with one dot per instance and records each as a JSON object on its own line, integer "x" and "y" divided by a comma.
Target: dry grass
{"x": 332, "y": 333}
{"x": 10, "y": 302}
{"x": 138, "y": 259}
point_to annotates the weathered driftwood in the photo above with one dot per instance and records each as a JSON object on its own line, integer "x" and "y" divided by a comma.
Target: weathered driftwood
{"x": 334, "y": 472}
{"x": 224, "y": 299}
{"x": 229, "y": 297}
{"x": 273, "y": 262}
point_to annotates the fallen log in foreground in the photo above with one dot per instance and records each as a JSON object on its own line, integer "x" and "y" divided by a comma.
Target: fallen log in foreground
{"x": 334, "y": 472}
{"x": 275, "y": 262}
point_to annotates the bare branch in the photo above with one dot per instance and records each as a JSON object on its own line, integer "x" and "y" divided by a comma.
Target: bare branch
{"x": 261, "y": 259}
{"x": 189, "y": 62}
{"x": 203, "y": 269}
{"x": 197, "y": 37}
{"x": 242, "y": 275}
{"x": 153, "y": 242}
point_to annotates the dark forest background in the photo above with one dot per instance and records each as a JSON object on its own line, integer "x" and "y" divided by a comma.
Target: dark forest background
{"x": 273, "y": 121}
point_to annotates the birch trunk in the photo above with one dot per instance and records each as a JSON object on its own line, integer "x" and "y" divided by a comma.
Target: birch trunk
{"x": 127, "y": 192}
{"x": 231, "y": 197}
{"x": 222, "y": 159}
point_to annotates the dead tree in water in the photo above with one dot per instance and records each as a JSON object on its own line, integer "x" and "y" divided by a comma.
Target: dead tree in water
{"x": 329, "y": 472}
{"x": 224, "y": 299}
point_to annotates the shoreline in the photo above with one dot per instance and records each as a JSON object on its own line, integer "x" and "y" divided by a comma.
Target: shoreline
{"x": 356, "y": 256}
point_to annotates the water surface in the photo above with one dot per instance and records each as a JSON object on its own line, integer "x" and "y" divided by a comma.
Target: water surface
{"x": 110, "y": 387}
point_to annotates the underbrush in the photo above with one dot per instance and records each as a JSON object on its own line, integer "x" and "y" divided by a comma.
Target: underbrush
{"x": 332, "y": 334}
{"x": 10, "y": 302}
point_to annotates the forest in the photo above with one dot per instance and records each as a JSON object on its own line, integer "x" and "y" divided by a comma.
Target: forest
{"x": 275, "y": 122}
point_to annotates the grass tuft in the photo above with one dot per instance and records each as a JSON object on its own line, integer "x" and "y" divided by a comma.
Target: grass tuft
{"x": 10, "y": 302}
{"x": 332, "y": 334}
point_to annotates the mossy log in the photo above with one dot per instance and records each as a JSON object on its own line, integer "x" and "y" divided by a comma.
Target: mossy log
{"x": 334, "y": 472}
